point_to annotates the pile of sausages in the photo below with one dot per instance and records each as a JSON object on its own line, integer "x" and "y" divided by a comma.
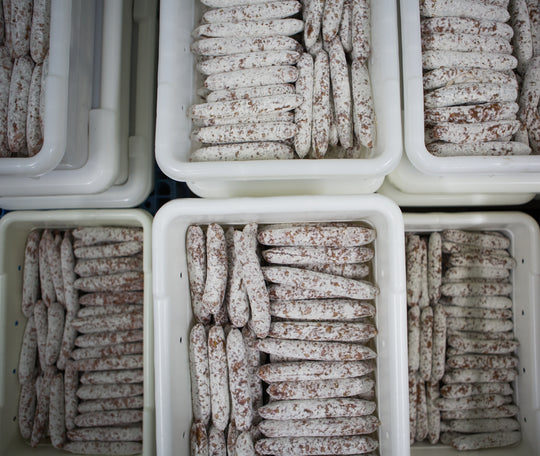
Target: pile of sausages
{"x": 24, "y": 47}
{"x": 462, "y": 359}
{"x": 273, "y": 92}
{"x": 282, "y": 357}
{"x": 81, "y": 362}
{"x": 474, "y": 101}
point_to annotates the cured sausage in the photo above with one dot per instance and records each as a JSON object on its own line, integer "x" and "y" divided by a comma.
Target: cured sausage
{"x": 218, "y": 376}
{"x": 320, "y": 427}
{"x": 239, "y": 380}
{"x": 316, "y": 408}
{"x": 31, "y": 284}
{"x": 312, "y": 370}
{"x": 254, "y": 280}
{"x": 347, "y": 288}
{"x": 200, "y": 374}
{"x": 310, "y": 350}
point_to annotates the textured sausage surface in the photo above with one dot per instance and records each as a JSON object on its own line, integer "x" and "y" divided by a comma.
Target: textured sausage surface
{"x": 27, "y": 408}
{"x": 106, "y": 350}
{"x": 486, "y": 440}
{"x": 320, "y": 427}
{"x": 321, "y": 103}
{"x": 300, "y": 255}
{"x": 110, "y": 448}
{"x": 312, "y": 389}
{"x": 31, "y": 285}
{"x": 339, "y": 332}
{"x": 99, "y": 405}
{"x": 327, "y": 309}
{"x": 253, "y": 279}
{"x": 87, "y": 392}
{"x": 109, "y": 418}
{"x": 219, "y": 378}
{"x": 234, "y": 45}
{"x": 310, "y": 350}
{"x": 239, "y": 380}
{"x": 347, "y": 288}
{"x": 117, "y": 322}
{"x": 311, "y": 370}
{"x": 107, "y": 433}
{"x": 28, "y": 354}
{"x": 110, "y": 363}
{"x": 316, "y": 445}
{"x": 57, "y": 429}
{"x": 316, "y": 408}
{"x": 200, "y": 374}
{"x": 116, "y": 249}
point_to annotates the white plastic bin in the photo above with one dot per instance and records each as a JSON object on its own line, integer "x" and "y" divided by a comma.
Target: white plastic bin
{"x": 138, "y": 117}
{"x": 413, "y": 99}
{"x": 14, "y": 229}
{"x": 173, "y": 316}
{"x": 409, "y": 179}
{"x": 98, "y": 130}
{"x": 56, "y": 110}
{"x": 177, "y": 84}
{"x": 405, "y": 199}
{"x": 524, "y": 235}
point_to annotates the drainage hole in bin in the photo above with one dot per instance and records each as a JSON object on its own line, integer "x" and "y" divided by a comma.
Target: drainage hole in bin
{"x": 524, "y": 419}
{"x": 523, "y": 261}
{"x": 14, "y": 418}
{"x": 16, "y": 323}
{"x": 14, "y": 371}
{"x": 180, "y": 340}
{"x": 19, "y": 268}
{"x": 524, "y": 370}
{"x": 184, "y": 434}
{"x": 522, "y": 312}
{"x": 180, "y": 275}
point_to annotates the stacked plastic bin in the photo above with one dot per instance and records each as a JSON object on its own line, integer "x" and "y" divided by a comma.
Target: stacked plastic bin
{"x": 95, "y": 166}
{"x": 99, "y": 118}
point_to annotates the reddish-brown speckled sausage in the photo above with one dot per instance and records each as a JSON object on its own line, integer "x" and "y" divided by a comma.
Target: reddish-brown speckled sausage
{"x": 125, "y": 281}
{"x": 319, "y": 428}
{"x": 99, "y": 405}
{"x": 199, "y": 370}
{"x": 317, "y": 389}
{"x": 55, "y": 331}
{"x": 316, "y": 445}
{"x": 312, "y": 370}
{"x": 110, "y": 363}
{"x": 31, "y": 284}
{"x": 28, "y": 355}
{"x": 239, "y": 383}
{"x": 347, "y": 288}
{"x": 110, "y": 418}
{"x": 253, "y": 280}
{"x": 109, "y": 338}
{"x": 219, "y": 379}
{"x": 128, "y": 321}
{"x": 57, "y": 419}
{"x": 107, "y": 433}
{"x": 27, "y": 408}
{"x": 117, "y": 376}
{"x": 310, "y": 350}
{"x": 216, "y": 271}
{"x": 339, "y": 332}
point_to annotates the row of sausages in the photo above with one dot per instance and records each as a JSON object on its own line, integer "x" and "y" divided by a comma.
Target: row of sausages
{"x": 24, "y": 47}
{"x": 293, "y": 370}
{"x": 480, "y": 62}
{"x": 461, "y": 345}
{"x": 81, "y": 360}
{"x": 269, "y": 95}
